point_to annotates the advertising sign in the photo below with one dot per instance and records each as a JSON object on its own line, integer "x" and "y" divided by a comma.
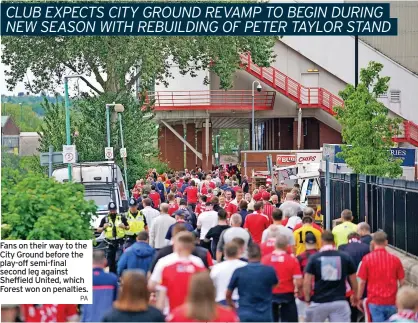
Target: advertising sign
{"x": 305, "y": 158}
{"x": 406, "y": 154}
{"x": 285, "y": 160}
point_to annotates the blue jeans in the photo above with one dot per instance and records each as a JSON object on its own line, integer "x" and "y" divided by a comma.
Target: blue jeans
{"x": 381, "y": 313}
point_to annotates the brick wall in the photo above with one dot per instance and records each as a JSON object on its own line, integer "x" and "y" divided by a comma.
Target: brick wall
{"x": 191, "y": 139}
{"x": 327, "y": 135}
{"x": 171, "y": 147}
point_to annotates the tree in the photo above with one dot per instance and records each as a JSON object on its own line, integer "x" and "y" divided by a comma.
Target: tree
{"x": 111, "y": 61}
{"x": 367, "y": 130}
{"x": 230, "y": 140}
{"x": 35, "y": 207}
{"x": 24, "y": 116}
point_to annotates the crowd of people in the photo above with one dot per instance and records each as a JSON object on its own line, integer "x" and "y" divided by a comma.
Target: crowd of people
{"x": 198, "y": 247}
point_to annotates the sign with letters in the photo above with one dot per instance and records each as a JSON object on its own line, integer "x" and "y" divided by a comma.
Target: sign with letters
{"x": 305, "y": 158}
{"x": 406, "y": 154}
{"x": 285, "y": 160}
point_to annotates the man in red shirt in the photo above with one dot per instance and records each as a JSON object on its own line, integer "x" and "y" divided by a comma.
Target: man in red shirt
{"x": 287, "y": 270}
{"x": 309, "y": 212}
{"x": 155, "y": 197}
{"x": 233, "y": 206}
{"x": 201, "y": 206}
{"x": 228, "y": 199}
{"x": 172, "y": 273}
{"x": 191, "y": 193}
{"x": 257, "y": 222}
{"x": 172, "y": 204}
{"x": 383, "y": 272}
{"x": 267, "y": 207}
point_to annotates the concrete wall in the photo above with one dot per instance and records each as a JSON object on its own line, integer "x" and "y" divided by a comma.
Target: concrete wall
{"x": 336, "y": 54}
{"x": 402, "y": 48}
{"x": 179, "y": 82}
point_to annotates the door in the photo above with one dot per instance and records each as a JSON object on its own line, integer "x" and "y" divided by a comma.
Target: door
{"x": 310, "y": 88}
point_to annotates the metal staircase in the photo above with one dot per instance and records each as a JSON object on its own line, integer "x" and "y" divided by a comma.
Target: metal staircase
{"x": 313, "y": 97}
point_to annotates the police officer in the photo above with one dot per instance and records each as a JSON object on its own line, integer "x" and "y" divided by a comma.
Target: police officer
{"x": 114, "y": 226}
{"x": 137, "y": 223}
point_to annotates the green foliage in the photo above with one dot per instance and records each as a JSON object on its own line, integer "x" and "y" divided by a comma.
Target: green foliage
{"x": 21, "y": 164}
{"x": 366, "y": 127}
{"x": 33, "y": 101}
{"x": 232, "y": 140}
{"x": 24, "y": 117}
{"x": 49, "y": 58}
{"x": 35, "y": 207}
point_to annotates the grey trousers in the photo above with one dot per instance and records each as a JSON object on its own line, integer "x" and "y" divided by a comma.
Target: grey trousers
{"x": 338, "y": 311}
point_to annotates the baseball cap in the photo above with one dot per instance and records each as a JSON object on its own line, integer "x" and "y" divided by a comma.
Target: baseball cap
{"x": 257, "y": 197}
{"x": 310, "y": 238}
{"x": 132, "y": 202}
{"x": 266, "y": 195}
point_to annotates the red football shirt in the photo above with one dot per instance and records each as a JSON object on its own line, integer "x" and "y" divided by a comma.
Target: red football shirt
{"x": 155, "y": 197}
{"x": 39, "y": 313}
{"x": 204, "y": 190}
{"x": 200, "y": 207}
{"x": 173, "y": 274}
{"x": 223, "y": 314}
{"x": 66, "y": 311}
{"x": 192, "y": 194}
{"x": 287, "y": 268}
{"x": 382, "y": 271}
{"x": 172, "y": 207}
{"x": 232, "y": 208}
{"x": 256, "y": 223}
{"x": 268, "y": 210}
{"x": 269, "y": 246}
{"x": 284, "y": 222}
{"x": 316, "y": 226}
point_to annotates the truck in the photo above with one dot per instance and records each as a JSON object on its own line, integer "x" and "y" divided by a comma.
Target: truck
{"x": 102, "y": 181}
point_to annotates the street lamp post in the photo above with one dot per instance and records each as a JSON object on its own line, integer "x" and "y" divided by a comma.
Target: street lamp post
{"x": 20, "y": 105}
{"x": 252, "y": 114}
{"x": 119, "y": 109}
{"x": 216, "y": 149}
{"x": 67, "y": 118}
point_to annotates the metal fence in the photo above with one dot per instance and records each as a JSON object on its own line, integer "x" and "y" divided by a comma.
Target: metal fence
{"x": 386, "y": 204}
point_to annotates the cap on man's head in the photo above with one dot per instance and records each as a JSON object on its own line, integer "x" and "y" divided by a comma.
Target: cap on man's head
{"x": 266, "y": 196}
{"x": 310, "y": 238}
{"x": 257, "y": 197}
{"x": 112, "y": 206}
{"x": 132, "y": 202}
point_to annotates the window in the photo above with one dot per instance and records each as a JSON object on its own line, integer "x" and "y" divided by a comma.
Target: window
{"x": 10, "y": 141}
{"x": 395, "y": 96}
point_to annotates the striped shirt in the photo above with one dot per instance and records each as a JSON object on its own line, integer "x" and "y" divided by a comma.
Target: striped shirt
{"x": 382, "y": 271}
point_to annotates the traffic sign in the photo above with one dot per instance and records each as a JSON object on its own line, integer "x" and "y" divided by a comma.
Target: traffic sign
{"x": 68, "y": 154}
{"x": 123, "y": 153}
{"x": 109, "y": 152}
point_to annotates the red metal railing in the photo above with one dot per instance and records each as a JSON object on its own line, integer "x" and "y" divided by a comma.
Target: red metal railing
{"x": 306, "y": 97}
{"x": 313, "y": 97}
{"x": 408, "y": 133}
{"x": 210, "y": 100}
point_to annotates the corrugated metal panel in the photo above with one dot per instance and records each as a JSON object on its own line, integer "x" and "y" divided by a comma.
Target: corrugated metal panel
{"x": 403, "y": 48}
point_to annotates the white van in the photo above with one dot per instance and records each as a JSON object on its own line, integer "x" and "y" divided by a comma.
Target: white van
{"x": 103, "y": 182}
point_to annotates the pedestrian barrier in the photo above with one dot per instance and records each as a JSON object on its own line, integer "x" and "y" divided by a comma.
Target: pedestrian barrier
{"x": 385, "y": 204}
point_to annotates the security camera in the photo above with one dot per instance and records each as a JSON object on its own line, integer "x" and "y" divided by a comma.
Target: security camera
{"x": 258, "y": 88}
